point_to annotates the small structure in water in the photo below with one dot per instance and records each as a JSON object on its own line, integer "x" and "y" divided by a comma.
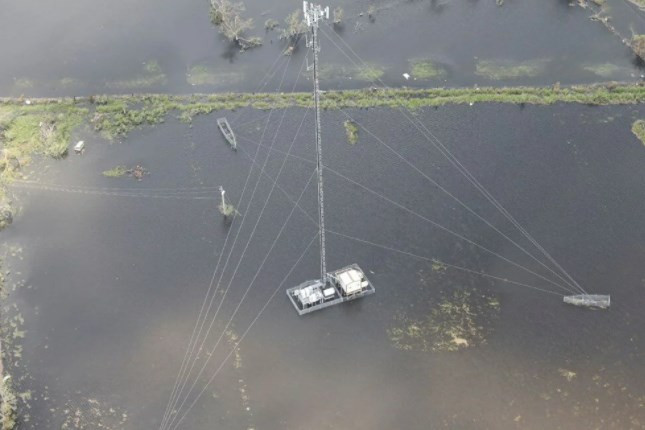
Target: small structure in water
{"x": 226, "y": 209}
{"x": 343, "y": 285}
{"x": 588, "y": 300}
{"x": 227, "y": 131}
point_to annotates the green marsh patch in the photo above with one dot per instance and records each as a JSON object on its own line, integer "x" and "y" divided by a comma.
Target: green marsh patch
{"x": 43, "y": 129}
{"x": 23, "y": 83}
{"x": 638, "y": 128}
{"x": 152, "y": 75}
{"x": 509, "y": 69}
{"x": 202, "y": 74}
{"x": 604, "y": 70}
{"x": 137, "y": 172}
{"x": 8, "y": 405}
{"x": 365, "y": 73}
{"x": 116, "y": 172}
{"x": 423, "y": 68}
{"x": 351, "y": 130}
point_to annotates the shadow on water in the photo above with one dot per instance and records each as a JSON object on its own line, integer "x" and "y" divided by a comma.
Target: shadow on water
{"x": 117, "y": 281}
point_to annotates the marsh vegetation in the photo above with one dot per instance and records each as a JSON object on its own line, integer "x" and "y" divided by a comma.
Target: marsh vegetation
{"x": 152, "y": 75}
{"x": 638, "y": 128}
{"x": 423, "y": 68}
{"x": 510, "y": 69}
{"x": 364, "y": 73}
{"x": 207, "y": 74}
{"x": 45, "y": 126}
{"x": 116, "y": 172}
{"x": 351, "y": 130}
{"x": 137, "y": 172}
{"x": 605, "y": 70}
{"x": 8, "y": 404}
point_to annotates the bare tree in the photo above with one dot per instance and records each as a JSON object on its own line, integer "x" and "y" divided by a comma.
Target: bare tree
{"x": 338, "y": 16}
{"x": 294, "y": 27}
{"x": 293, "y": 30}
{"x": 227, "y": 16}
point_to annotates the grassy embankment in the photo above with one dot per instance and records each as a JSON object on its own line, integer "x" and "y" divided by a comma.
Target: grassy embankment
{"x": 44, "y": 127}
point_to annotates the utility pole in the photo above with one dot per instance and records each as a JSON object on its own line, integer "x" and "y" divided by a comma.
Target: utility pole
{"x": 221, "y": 190}
{"x": 313, "y": 15}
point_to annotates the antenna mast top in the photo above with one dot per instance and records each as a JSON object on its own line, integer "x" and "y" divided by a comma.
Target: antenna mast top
{"x": 313, "y": 15}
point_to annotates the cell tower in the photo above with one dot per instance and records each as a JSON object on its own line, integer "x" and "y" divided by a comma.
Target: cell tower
{"x": 313, "y": 15}
{"x": 348, "y": 283}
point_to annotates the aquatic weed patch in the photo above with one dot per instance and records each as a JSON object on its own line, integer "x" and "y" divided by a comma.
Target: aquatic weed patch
{"x": 203, "y": 74}
{"x": 115, "y": 172}
{"x": 11, "y": 334}
{"x": 605, "y": 70}
{"x": 92, "y": 414}
{"x": 423, "y": 68}
{"x": 365, "y": 73}
{"x": 151, "y": 75}
{"x": 351, "y": 130}
{"x": 509, "y": 69}
{"x": 638, "y": 128}
{"x": 457, "y": 320}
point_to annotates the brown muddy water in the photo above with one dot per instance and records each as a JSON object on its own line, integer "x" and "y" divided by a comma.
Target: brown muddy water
{"x": 113, "y": 283}
{"x": 85, "y": 48}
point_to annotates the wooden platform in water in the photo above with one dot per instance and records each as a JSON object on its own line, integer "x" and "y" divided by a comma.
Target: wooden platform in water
{"x": 320, "y": 296}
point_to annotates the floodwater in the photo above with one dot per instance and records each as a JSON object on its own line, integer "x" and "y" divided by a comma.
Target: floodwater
{"x": 84, "y": 48}
{"x": 113, "y": 283}
{"x": 117, "y": 281}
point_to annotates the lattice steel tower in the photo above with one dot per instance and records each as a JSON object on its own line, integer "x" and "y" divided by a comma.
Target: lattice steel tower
{"x": 313, "y": 15}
